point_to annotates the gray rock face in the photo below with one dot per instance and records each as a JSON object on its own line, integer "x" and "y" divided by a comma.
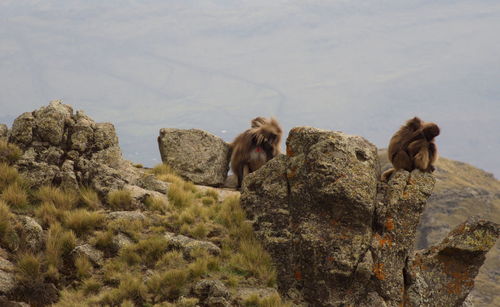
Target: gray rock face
{"x": 212, "y": 293}
{"x": 7, "y": 278}
{"x": 337, "y": 235}
{"x": 443, "y": 275}
{"x": 31, "y": 232}
{"x": 187, "y": 244}
{"x": 195, "y": 155}
{"x": 67, "y": 148}
{"x": 95, "y": 256}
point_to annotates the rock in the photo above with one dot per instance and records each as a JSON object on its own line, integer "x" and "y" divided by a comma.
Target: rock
{"x": 187, "y": 245}
{"x": 121, "y": 240}
{"x": 443, "y": 275}
{"x": 338, "y": 236}
{"x": 31, "y": 232}
{"x": 127, "y": 215}
{"x": 86, "y": 250}
{"x": 4, "y": 302}
{"x": 328, "y": 180}
{"x": 212, "y": 293}
{"x": 69, "y": 149}
{"x": 139, "y": 195}
{"x": 4, "y": 132}
{"x": 7, "y": 278}
{"x": 195, "y": 155}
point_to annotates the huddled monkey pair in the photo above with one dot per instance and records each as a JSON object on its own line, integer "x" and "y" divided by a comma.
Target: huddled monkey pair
{"x": 411, "y": 147}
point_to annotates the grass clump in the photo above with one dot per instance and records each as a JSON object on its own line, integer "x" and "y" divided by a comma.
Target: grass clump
{"x": 29, "y": 269}
{"x": 9, "y": 153}
{"x": 82, "y": 221}
{"x": 211, "y": 193}
{"x": 60, "y": 243}
{"x": 146, "y": 251}
{"x": 47, "y": 214}
{"x": 162, "y": 169}
{"x": 156, "y": 204}
{"x": 8, "y": 235}
{"x": 103, "y": 240}
{"x": 83, "y": 267}
{"x": 268, "y": 301}
{"x": 132, "y": 228}
{"x": 130, "y": 288}
{"x": 179, "y": 197}
{"x": 167, "y": 285}
{"x": 15, "y": 196}
{"x": 8, "y": 175}
{"x": 62, "y": 199}
{"x": 120, "y": 199}
{"x": 89, "y": 198}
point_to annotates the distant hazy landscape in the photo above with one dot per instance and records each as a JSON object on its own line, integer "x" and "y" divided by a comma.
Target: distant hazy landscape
{"x": 362, "y": 67}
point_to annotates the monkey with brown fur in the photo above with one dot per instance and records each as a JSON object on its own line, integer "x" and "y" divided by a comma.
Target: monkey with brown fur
{"x": 255, "y": 146}
{"x": 413, "y": 146}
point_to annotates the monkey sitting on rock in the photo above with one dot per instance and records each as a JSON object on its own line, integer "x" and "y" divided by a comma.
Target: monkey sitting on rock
{"x": 255, "y": 146}
{"x": 413, "y": 146}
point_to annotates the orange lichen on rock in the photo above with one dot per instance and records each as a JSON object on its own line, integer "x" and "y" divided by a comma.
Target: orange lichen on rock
{"x": 298, "y": 275}
{"x": 385, "y": 240}
{"x": 291, "y": 173}
{"x": 289, "y": 151}
{"x": 389, "y": 223}
{"x": 378, "y": 270}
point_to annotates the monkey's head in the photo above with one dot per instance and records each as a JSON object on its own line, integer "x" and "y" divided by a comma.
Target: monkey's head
{"x": 267, "y": 132}
{"x": 414, "y": 123}
{"x": 430, "y": 131}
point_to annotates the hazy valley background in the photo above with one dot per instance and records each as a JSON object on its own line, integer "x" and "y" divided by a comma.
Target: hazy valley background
{"x": 362, "y": 67}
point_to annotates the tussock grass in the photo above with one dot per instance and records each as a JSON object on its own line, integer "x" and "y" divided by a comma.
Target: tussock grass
{"x": 162, "y": 169}
{"x": 146, "y": 251}
{"x": 131, "y": 228}
{"x": 9, "y": 153}
{"x": 82, "y": 221}
{"x": 62, "y": 199}
{"x": 89, "y": 198}
{"x": 83, "y": 267}
{"x": 171, "y": 260}
{"x": 47, "y": 214}
{"x": 29, "y": 269}
{"x": 207, "y": 201}
{"x": 131, "y": 288}
{"x": 119, "y": 199}
{"x": 8, "y": 175}
{"x": 180, "y": 197}
{"x": 168, "y": 284}
{"x": 60, "y": 243}
{"x": 91, "y": 286}
{"x": 103, "y": 240}
{"x": 252, "y": 260}
{"x": 187, "y": 302}
{"x": 8, "y": 235}
{"x": 156, "y": 204}
{"x": 268, "y": 301}
{"x": 15, "y": 196}
{"x": 212, "y": 194}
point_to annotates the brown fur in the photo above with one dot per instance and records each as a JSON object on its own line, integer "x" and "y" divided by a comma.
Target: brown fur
{"x": 413, "y": 146}
{"x": 255, "y": 146}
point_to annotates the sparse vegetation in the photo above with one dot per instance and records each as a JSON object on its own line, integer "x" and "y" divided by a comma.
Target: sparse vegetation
{"x": 9, "y": 153}
{"x": 120, "y": 199}
{"x": 82, "y": 221}
{"x": 62, "y": 199}
{"x": 15, "y": 196}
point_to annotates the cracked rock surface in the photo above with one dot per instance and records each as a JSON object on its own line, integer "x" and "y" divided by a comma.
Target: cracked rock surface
{"x": 340, "y": 237}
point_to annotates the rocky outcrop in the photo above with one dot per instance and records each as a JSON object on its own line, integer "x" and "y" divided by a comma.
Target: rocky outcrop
{"x": 31, "y": 233}
{"x": 7, "y": 278}
{"x": 337, "y": 235}
{"x": 187, "y": 245}
{"x": 195, "y": 155}
{"x": 70, "y": 149}
{"x": 443, "y": 275}
{"x": 3, "y": 132}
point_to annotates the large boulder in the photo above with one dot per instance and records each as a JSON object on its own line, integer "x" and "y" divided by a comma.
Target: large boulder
{"x": 338, "y": 236}
{"x": 68, "y": 148}
{"x": 195, "y": 155}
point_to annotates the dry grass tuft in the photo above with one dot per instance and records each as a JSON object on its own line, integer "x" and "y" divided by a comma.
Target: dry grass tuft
{"x": 8, "y": 235}
{"x": 89, "y": 198}
{"x": 268, "y": 301}
{"x": 60, "y": 243}
{"x": 8, "y": 175}
{"x": 9, "y": 153}
{"x": 179, "y": 197}
{"x": 119, "y": 199}
{"x": 83, "y": 267}
{"x": 82, "y": 221}
{"x": 168, "y": 284}
{"x": 156, "y": 204}
{"x": 62, "y": 199}
{"x": 15, "y": 196}
{"x": 29, "y": 269}
{"x": 47, "y": 214}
